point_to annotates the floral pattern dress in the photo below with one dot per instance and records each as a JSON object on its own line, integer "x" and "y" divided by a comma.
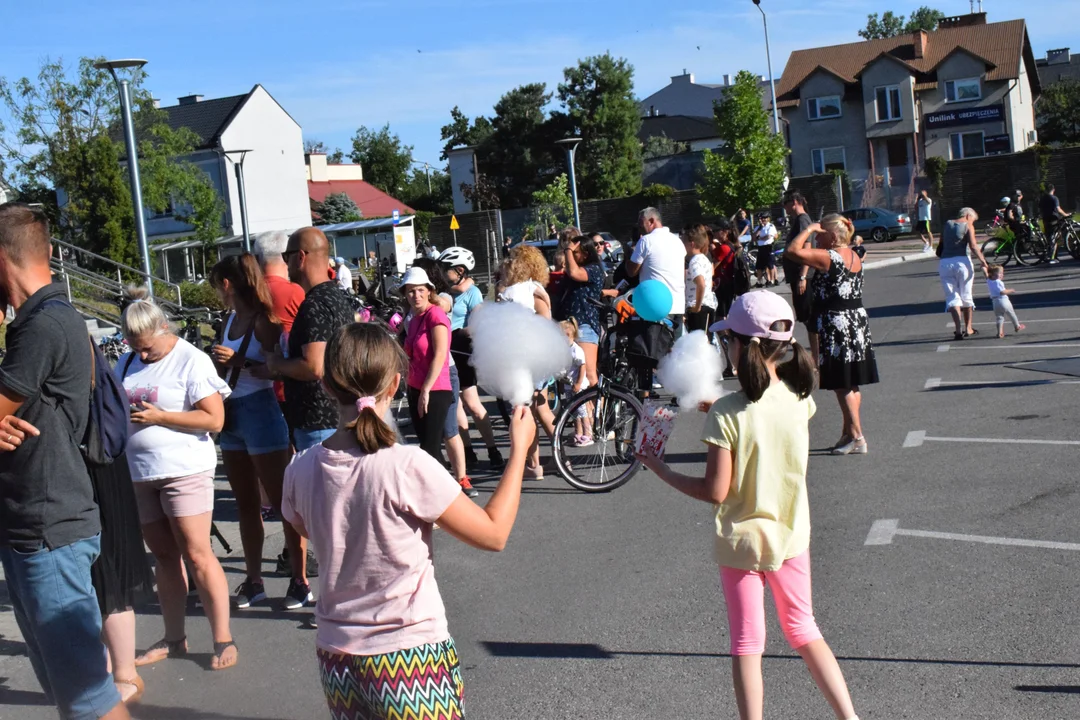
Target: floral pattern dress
{"x": 846, "y": 350}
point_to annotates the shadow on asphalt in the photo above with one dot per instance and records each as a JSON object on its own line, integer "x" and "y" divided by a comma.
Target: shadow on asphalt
{"x": 1066, "y": 296}
{"x": 1063, "y": 689}
{"x": 591, "y": 651}
{"x": 21, "y": 697}
{"x": 161, "y": 712}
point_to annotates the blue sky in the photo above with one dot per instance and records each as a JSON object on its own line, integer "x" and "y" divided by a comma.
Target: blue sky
{"x": 336, "y": 65}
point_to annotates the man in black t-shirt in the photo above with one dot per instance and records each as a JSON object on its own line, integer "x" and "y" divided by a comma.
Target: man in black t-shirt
{"x": 1052, "y": 214}
{"x": 795, "y": 274}
{"x": 312, "y": 413}
{"x": 49, "y": 523}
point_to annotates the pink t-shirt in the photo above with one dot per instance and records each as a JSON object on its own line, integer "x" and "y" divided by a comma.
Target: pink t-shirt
{"x": 369, "y": 519}
{"x": 420, "y": 348}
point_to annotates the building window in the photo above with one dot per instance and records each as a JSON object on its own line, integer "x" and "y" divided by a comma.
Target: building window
{"x": 964, "y": 90}
{"x": 888, "y": 103}
{"x": 823, "y": 108}
{"x": 826, "y": 159}
{"x": 967, "y": 145}
{"x": 168, "y": 212}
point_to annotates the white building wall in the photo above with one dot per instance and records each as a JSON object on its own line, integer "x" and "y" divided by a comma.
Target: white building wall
{"x": 1021, "y": 112}
{"x": 274, "y": 173}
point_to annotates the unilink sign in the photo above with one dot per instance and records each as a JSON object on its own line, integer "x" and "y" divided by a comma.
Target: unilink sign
{"x": 971, "y": 116}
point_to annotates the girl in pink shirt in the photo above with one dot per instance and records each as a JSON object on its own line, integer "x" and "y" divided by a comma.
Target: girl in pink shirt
{"x": 368, "y": 504}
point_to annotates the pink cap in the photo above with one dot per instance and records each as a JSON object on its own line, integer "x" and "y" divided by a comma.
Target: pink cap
{"x": 754, "y": 313}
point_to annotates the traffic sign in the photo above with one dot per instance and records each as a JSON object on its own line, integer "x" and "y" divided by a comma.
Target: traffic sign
{"x": 454, "y": 225}
{"x": 396, "y": 216}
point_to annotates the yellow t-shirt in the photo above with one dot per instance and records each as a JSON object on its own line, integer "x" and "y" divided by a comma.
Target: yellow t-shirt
{"x": 765, "y": 518}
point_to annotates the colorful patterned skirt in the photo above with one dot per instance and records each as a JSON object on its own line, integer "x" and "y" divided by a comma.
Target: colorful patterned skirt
{"x": 420, "y": 683}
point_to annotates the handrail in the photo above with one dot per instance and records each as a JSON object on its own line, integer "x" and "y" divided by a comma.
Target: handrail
{"x": 119, "y": 266}
{"x": 106, "y": 285}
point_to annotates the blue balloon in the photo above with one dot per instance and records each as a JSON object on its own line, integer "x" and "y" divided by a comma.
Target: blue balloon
{"x": 652, "y": 300}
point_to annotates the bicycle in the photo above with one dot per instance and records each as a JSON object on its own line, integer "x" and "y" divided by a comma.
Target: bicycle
{"x": 1067, "y": 234}
{"x": 1030, "y": 248}
{"x": 615, "y": 411}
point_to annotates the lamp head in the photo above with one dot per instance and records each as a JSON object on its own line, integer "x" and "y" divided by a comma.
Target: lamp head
{"x": 568, "y": 142}
{"x": 119, "y": 64}
{"x": 757, "y": 2}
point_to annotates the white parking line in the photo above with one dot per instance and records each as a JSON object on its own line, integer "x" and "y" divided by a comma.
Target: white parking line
{"x": 935, "y": 383}
{"x": 1019, "y": 346}
{"x": 882, "y": 532}
{"x": 916, "y": 438}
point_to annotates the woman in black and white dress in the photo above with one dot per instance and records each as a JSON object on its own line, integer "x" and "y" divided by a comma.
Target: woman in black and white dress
{"x": 846, "y": 350}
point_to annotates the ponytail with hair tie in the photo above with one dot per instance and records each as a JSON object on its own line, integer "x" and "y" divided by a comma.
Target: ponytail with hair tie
{"x": 365, "y": 402}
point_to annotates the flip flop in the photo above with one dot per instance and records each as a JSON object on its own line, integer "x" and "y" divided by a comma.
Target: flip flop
{"x": 137, "y": 683}
{"x": 175, "y": 648}
{"x": 219, "y": 650}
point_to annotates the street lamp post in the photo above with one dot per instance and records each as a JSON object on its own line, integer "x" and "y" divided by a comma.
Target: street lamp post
{"x": 242, "y": 192}
{"x": 427, "y": 172}
{"x": 571, "y": 145}
{"x": 768, "y": 60}
{"x": 132, "y": 156}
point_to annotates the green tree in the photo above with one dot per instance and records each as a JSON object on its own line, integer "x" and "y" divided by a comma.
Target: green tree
{"x": 67, "y": 136}
{"x": 459, "y": 132}
{"x": 598, "y": 94}
{"x": 890, "y": 24}
{"x": 553, "y": 203}
{"x": 662, "y": 146}
{"x": 749, "y": 170}
{"x": 334, "y": 157}
{"x": 1058, "y": 112}
{"x": 439, "y": 200}
{"x": 337, "y": 208}
{"x": 520, "y": 155}
{"x": 385, "y": 159}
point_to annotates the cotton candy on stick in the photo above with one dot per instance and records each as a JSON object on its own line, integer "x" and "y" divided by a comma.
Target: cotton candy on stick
{"x": 692, "y": 370}
{"x": 514, "y": 349}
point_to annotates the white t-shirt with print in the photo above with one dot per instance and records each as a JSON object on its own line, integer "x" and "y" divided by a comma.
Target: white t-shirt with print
{"x": 174, "y": 384}
{"x": 662, "y": 255}
{"x": 700, "y": 267}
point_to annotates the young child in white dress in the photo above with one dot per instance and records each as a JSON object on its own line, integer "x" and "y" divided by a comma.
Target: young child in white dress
{"x": 579, "y": 381}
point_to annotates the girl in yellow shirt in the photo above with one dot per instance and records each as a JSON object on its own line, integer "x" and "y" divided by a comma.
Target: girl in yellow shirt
{"x": 755, "y": 476}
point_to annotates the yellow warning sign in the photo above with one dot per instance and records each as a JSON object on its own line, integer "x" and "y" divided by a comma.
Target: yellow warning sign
{"x": 454, "y": 225}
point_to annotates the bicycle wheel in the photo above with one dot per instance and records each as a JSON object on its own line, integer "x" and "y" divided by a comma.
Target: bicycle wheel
{"x": 1072, "y": 241}
{"x": 607, "y": 460}
{"x": 998, "y": 251}
{"x": 1031, "y": 250}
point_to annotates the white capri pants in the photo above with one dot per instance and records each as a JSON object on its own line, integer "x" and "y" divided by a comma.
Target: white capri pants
{"x": 957, "y": 276}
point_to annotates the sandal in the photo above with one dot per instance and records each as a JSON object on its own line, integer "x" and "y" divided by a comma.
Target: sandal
{"x": 173, "y": 648}
{"x": 958, "y": 335}
{"x": 973, "y": 333}
{"x": 219, "y": 650}
{"x": 137, "y": 683}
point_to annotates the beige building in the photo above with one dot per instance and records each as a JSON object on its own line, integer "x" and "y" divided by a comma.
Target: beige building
{"x": 879, "y": 108}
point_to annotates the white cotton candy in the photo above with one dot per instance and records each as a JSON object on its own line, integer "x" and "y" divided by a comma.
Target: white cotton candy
{"x": 692, "y": 370}
{"x": 515, "y": 349}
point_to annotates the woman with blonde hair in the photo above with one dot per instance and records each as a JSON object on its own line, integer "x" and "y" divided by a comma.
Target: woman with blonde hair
{"x": 524, "y": 278}
{"x": 845, "y": 349}
{"x": 177, "y": 401}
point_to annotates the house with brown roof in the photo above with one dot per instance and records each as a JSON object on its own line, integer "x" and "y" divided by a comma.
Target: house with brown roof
{"x": 879, "y": 108}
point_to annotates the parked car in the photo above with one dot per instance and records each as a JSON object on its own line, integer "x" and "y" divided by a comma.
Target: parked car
{"x": 611, "y": 253}
{"x": 879, "y": 224}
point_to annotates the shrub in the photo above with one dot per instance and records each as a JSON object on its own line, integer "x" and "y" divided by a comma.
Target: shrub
{"x": 657, "y": 193}
{"x": 198, "y": 295}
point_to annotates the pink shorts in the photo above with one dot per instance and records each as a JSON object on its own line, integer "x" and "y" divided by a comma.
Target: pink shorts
{"x": 174, "y": 497}
{"x": 744, "y": 591}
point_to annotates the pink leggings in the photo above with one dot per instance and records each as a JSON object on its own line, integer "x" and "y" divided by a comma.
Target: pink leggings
{"x": 744, "y": 591}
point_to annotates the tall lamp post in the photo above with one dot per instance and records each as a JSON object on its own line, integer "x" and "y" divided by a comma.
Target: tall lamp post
{"x": 571, "y": 144}
{"x": 768, "y": 60}
{"x": 132, "y": 156}
{"x": 427, "y": 171}
{"x": 241, "y": 191}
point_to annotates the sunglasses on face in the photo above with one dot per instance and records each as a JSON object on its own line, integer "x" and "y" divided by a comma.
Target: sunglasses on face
{"x": 287, "y": 256}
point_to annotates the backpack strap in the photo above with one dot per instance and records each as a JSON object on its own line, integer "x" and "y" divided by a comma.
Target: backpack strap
{"x": 127, "y": 365}
{"x": 234, "y": 372}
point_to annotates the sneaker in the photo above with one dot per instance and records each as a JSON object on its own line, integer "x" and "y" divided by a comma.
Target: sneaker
{"x": 1055, "y": 261}
{"x": 268, "y": 514}
{"x": 249, "y": 592}
{"x": 471, "y": 461}
{"x": 467, "y": 488}
{"x": 284, "y": 567}
{"x": 299, "y": 595}
{"x": 495, "y": 459}
{"x": 585, "y": 441}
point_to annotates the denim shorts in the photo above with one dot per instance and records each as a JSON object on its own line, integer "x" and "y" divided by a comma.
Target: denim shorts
{"x": 254, "y": 424}
{"x": 309, "y": 438}
{"x": 57, "y": 612}
{"x": 451, "y": 414}
{"x": 585, "y": 334}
